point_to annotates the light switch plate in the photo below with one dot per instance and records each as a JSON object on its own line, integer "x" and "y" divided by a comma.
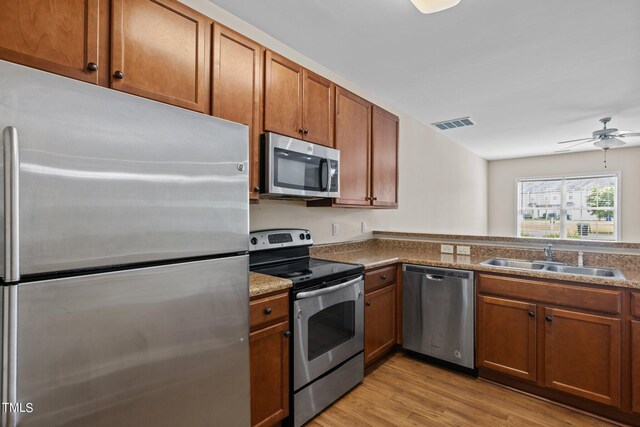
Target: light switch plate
{"x": 446, "y": 249}
{"x": 463, "y": 250}
{"x": 335, "y": 229}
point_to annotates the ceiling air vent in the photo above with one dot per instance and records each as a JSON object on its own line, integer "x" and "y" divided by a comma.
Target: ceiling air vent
{"x": 454, "y": 123}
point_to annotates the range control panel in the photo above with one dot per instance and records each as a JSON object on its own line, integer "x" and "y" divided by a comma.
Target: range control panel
{"x": 279, "y": 238}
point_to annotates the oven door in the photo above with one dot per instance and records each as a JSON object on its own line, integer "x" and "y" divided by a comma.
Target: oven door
{"x": 328, "y": 329}
{"x": 299, "y": 168}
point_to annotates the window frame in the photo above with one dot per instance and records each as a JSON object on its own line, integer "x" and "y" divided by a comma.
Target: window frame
{"x": 563, "y": 200}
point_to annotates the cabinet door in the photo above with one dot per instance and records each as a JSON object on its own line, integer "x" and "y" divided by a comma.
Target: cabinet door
{"x": 353, "y": 139}
{"x": 53, "y": 35}
{"x": 160, "y": 50}
{"x": 237, "y": 73}
{"x": 379, "y": 322}
{"x": 317, "y": 109}
{"x": 635, "y": 366}
{"x": 506, "y": 332}
{"x": 269, "y": 349}
{"x": 384, "y": 158}
{"x": 582, "y": 355}
{"x": 282, "y": 96}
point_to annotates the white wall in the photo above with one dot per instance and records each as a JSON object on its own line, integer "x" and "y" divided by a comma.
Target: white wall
{"x": 503, "y": 175}
{"x": 443, "y": 186}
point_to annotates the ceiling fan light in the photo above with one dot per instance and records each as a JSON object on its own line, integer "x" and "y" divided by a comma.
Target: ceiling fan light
{"x": 433, "y": 6}
{"x": 606, "y": 143}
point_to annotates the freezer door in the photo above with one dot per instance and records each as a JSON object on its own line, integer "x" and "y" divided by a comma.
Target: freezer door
{"x": 159, "y": 346}
{"x": 109, "y": 178}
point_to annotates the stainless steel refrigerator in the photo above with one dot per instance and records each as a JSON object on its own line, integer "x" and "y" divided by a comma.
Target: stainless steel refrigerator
{"x": 125, "y": 271}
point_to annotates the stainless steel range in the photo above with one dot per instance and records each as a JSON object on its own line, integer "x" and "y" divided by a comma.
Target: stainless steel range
{"x": 327, "y": 318}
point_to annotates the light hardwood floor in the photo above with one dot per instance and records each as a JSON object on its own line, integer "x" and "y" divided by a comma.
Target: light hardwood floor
{"x": 406, "y": 392}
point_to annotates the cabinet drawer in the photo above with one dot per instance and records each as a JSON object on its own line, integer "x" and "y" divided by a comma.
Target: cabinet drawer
{"x": 377, "y": 279}
{"x": 635, "y": 304}
{"x": 604, "y": 300}
{"x": 264, "y": 311}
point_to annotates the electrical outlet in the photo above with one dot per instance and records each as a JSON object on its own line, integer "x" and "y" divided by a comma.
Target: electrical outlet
{"x": 463, "y": 250}
{"x": 446, "y": 249}
{"x": 363, "y": 227}
{"x": 335, "y": 229}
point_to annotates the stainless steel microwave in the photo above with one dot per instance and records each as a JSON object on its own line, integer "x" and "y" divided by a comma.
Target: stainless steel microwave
{"x": 292, "y": 168}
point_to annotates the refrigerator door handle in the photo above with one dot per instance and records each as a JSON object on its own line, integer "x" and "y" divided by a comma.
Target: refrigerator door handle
{"x": 11, "y": 204}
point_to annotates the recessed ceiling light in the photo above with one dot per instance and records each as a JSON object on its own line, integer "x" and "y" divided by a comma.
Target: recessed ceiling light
{"x": 432, "y": 6}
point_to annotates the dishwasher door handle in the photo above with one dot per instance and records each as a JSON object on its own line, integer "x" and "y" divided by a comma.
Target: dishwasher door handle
{"x": 435, "y": 277}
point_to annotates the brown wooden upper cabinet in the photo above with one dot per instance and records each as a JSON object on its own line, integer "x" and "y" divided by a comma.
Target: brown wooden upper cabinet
{"x": 353, "y": 139}
{"x": 236, "y": 90}
{"x": 297, "y": 102}
{"x": 63, "y": 37}
{"x": 160, "y": 50}
{"x": 384, "y": 158}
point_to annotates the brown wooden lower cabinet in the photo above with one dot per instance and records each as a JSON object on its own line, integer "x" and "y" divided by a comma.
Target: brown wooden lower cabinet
{"x": 379, "y": 322}
{"x": 582, "y": 355}
{"x": 546, "y": 337}
{"x": 269, "y": 348}
{"x": 380, "y": 312}
{"x": 635, "y": 366}
{"x": 507, "y": 335}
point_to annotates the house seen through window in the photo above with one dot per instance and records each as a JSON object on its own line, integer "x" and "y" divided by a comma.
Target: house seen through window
{"x": 584, "y": 207}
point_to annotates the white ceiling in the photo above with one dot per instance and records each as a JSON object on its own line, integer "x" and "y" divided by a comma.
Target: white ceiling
{"x": 529, "y": 72}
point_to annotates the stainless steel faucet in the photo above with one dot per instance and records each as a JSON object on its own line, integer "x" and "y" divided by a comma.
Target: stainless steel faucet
{"x": 548, "y": 252}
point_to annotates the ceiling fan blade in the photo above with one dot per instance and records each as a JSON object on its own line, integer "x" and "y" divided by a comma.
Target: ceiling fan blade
{"x": 574, "y": 140}
{"x": 575, "y": 145}
{"x": 627, "y": 134}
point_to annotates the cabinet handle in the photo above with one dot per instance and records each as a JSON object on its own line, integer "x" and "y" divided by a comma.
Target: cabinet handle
{"x": 256, "y": 189}
{"x": 92, "y": 66}
{"x": 368, "y": 303}
{"x": 305, "y": 131}
{"x": 287, "y": 334}
{"x": 118, "y": 75}
{"x": 383, "y": 277}
{"x": 301, "y": 130}
{"x": 267, "y": 310}
{"x": 367, "y": 198}
{"x": 548, "y": 318}
{"x": 375, "y": 198}
{"x": 532, "y": 314}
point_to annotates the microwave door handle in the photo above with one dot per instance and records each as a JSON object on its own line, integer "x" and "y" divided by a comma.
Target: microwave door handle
{"x": 324, "y": 174}
{"x": 311, "y": 294}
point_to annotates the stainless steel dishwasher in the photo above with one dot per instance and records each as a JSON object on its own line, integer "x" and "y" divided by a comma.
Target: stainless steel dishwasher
{"x": 438, "y": 308}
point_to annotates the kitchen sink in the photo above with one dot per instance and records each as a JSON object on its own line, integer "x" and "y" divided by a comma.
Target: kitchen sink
{"x": 586, "y": 271}
{"x": 554, "y": 267}
{"x": 514, "y": 263}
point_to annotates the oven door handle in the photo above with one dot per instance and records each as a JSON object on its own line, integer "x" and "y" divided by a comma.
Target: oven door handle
{"x": 311, "y": 294}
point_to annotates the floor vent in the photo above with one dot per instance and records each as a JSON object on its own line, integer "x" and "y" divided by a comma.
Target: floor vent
{"x": 454, "y": 123}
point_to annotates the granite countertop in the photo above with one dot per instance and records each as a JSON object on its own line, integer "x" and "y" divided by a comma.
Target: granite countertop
{"x": 261, "y": 284}
{"x": 378, "y": 257}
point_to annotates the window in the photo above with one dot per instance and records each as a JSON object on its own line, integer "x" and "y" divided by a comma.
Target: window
{"x": 580, "y": 207}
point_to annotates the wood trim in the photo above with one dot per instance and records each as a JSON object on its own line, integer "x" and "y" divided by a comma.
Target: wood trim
{"x": 530, "y": 375}
{"x": 613, "y": 398}
{"x": 203, "y": 25}
{"x": 570, "y": 295}
{"x": 635, "y": 366}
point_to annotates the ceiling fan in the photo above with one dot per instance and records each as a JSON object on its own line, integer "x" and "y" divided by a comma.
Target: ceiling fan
{"x": 605, "y": 139}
